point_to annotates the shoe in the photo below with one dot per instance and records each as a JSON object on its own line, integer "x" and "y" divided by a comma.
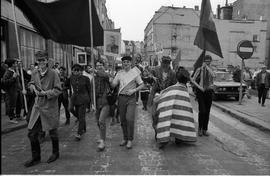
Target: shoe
{"x": 31, "y": 162}
{"x": 177, "y": 141}
{"x": 53, "y": 157}
{"x": 101, "y": 146}
{"x": 263, "y": 105}
{"x": 77, "y": 137}
{"x": 162, "y": 145}
{"x": 259, "y": 101}
{"x": 13, "y": 121}
{"x": 123, "y": 143}
{"x": 129, "y": 145}
{"x": 205, "y": 133}
{"x": 200, "y": 132}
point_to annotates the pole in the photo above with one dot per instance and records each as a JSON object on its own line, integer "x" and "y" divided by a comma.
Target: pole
{"x": 19, "y": 54}
{"x": 92, "y": 54}
{"x": 241, "y": 80}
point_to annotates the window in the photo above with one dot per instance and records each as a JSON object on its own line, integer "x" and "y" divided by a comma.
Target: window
{"x": 255, "y": 38}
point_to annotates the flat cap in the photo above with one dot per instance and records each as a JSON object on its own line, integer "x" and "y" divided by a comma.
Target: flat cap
{"x": 41, "y": 54}
{"x": 166, "y": 59}
{"x": 126, "y": 58}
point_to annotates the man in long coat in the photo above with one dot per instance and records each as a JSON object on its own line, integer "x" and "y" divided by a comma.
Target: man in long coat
{"x": 44, "y": 116}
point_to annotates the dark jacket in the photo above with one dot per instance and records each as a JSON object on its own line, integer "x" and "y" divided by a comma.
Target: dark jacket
{"x": 10, "y": 83}
{"x": 259, "y": 79}
{"x": 81, "y": 89}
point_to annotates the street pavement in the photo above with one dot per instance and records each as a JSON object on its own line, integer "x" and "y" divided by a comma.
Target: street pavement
{"x": 250, "y": 112}
{"x": 233, "y": 148}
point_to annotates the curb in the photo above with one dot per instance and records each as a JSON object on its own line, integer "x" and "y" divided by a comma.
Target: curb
{"x": 11, "y": 129}
{"x": 242, "y": 117}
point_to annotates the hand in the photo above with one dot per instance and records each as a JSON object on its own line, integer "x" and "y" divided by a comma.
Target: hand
{"x": 131, "y": 91}
{"x": 93, "y": 108}
{"x": 42, "y": 93}
{"x": 24, "y": 92}
{"x": 15, "y": 74}
{"x": 32, "y": 87}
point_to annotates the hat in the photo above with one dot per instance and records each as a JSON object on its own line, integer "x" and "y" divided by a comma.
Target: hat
{"x": 76, "y": 66}
{"x": 126, "y": 58}
{"x": 207, "y": 58}
{"x": 166, "y": 59}
{"x": 41, "y": 55}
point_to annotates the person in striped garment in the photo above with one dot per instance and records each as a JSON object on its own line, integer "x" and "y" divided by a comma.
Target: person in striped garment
{"x": 175, "y": 112}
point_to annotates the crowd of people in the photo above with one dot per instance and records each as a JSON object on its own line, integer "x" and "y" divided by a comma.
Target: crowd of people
{"x": 163, "y": 93}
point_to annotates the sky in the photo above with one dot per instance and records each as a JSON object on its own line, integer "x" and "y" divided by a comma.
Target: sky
{"x": 132, "y": 16}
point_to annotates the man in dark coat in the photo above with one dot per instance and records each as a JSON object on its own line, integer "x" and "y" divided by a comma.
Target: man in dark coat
{"x": 262, "y": 84}
{"x": 44, "y": 116}
{"x": 13, "y": 88}
{"x": 80, "y": 98}
{"x": 164, "y": 77}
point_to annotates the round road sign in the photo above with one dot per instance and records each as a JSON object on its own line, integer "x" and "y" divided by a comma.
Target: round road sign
{"x": 245, "y": 49}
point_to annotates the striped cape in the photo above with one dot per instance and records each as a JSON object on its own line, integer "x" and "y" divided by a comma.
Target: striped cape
{"x": 175, "y": 115}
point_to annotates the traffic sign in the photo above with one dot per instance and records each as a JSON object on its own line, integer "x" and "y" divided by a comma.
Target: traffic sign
{"x": 245, "y": 49}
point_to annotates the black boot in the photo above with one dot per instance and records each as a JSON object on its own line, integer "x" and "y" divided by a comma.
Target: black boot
{"x": 55, "y": 154}
{"x": 35, "y": 149}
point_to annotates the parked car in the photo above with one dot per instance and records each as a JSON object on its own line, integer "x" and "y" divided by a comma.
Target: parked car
{"x": 225, "y": 87}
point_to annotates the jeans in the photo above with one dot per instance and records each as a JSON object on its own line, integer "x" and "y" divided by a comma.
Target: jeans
{"x": 101, "y": 114}
{"x": 127, "y": 107}
{"x": 205, "y": 102}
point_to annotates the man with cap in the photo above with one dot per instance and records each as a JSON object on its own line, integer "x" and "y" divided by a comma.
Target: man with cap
{"x": 127, "y": 79}
{"x": 262, "y": 84}
{"x": 80, "y": 98}
{"x": 44, "y": 116}
{"x": 11, "y": 83}
{"x": 203, "y": 80}
{"x": 164, "y": 77}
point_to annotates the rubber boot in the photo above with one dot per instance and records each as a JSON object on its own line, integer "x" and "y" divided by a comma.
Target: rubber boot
{"x": 35, "y": 149}
{"x": 55, "y": 153}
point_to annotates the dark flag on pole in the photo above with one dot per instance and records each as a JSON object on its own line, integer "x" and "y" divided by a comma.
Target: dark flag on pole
{"x": 64, "y": 21}
{"x": 206, "y": 37}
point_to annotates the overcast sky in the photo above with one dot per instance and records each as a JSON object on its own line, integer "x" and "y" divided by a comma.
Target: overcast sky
{"x": 132, "y": 16}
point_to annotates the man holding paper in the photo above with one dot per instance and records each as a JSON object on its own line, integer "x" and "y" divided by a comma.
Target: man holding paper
{"x": 130, "y": 82}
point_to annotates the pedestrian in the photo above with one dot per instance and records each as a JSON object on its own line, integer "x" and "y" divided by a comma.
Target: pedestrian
{"x": 127, "y": 79}
{"x": 89, "y": 73}
{"x": 11, "y": 83}
{"x": 262, "y": 85}
{"x": 203, "y": 80}
{"x": 63, "y": 97}
{"x": 148, "y": 82}
{"x": 80, "y": 98}
{"x": 44, "y": 116}
{"x": 102, "y": 87}
{"x": 175, "y": 112}
{"x": 164, "y": 77}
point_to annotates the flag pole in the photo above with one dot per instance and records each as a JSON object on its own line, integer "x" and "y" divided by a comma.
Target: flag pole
{"x": 19, "y": 54}
{"x": 92, "y": 54}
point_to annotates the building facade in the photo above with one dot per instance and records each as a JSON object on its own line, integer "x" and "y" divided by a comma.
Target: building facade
{"x": 255, "y": 10}
{"x": 172, "y": 30}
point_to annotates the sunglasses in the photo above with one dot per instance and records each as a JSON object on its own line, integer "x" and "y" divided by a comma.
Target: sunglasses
{"x": 76, "y": 70}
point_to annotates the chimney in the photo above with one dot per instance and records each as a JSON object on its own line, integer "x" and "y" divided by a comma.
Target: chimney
{"x": 196, "y": 7}
{"x": 218, "y": 12}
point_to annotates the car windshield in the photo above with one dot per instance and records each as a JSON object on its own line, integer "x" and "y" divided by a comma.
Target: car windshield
{"x": 223, "y": 76}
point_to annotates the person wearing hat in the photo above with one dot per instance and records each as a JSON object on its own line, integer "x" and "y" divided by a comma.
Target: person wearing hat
{"x": 45, "y": 83}
{"x": 203, "y": 80}
{"x": 262, "y": 82}
{"x": 80, "y": 98}
{"x": 127, "y": 79}
{"x": 164, "y": 77}
{"x": 12, "y": 85}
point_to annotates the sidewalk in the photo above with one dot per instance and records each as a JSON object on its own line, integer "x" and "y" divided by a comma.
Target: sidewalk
{"x": 249, "y": 112}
